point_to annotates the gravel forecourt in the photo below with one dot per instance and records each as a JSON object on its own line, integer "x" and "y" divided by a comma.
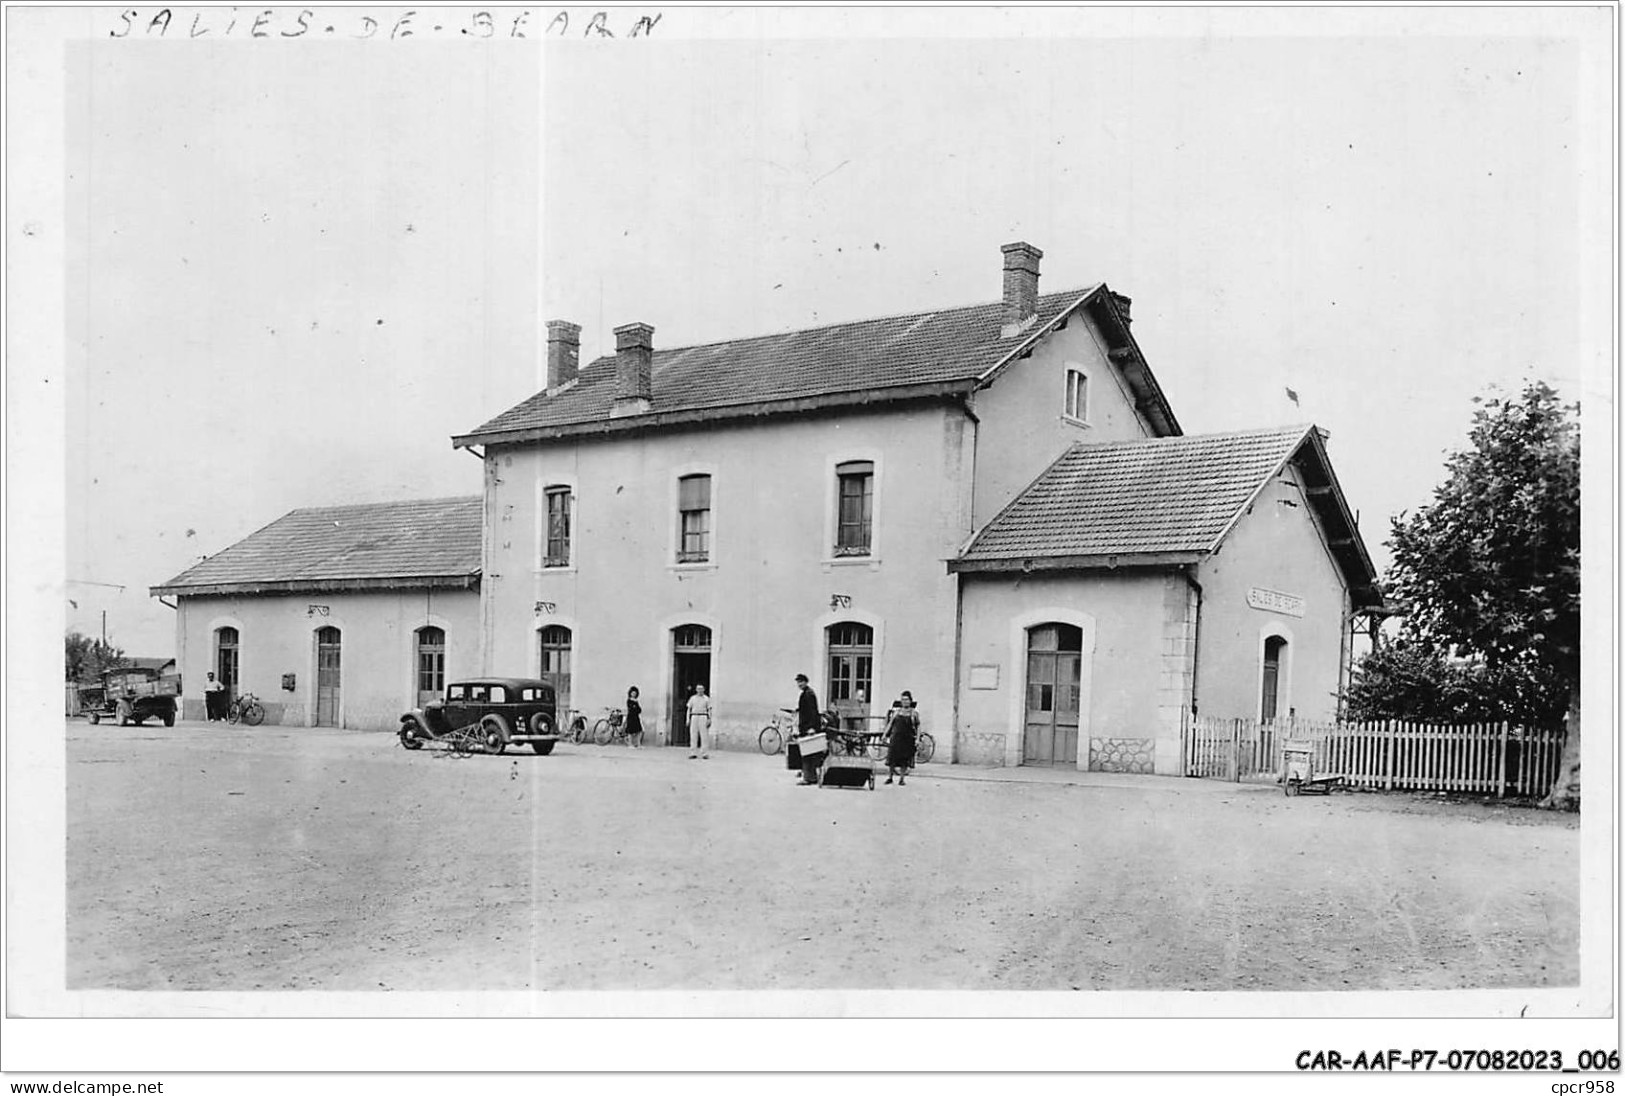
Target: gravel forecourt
{"x": 234, "y": 858}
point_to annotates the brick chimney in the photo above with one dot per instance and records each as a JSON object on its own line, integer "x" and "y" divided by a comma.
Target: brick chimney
{"x": 634, "y": 368}
{"x": 563, "y": 352}
{"x": 1020, "y": 287}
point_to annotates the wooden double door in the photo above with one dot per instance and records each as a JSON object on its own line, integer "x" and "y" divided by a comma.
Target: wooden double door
{"x": 1054, "y": 691}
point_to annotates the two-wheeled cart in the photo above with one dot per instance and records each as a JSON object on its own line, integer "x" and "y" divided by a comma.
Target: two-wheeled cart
{"x": 850, "y": 760}
{"x": 1298, "y": 770}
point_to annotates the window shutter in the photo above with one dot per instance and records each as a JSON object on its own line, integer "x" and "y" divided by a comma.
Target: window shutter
{"x": 694, "y": 493}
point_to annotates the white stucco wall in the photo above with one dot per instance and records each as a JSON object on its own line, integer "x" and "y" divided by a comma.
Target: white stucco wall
{"x": 1276, "y": 546}
{"x": 1022, "y": 428}
{"x": 277, "y": 635}
{"x": 1121, "y": 615}
{"x": 768, "y": 591}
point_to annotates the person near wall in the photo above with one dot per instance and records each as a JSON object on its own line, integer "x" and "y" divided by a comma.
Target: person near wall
{"x": 214, "y": 699}
{"x": 699, "y": 723}
{"x": 634, "y": 719}
{"x": 808, "y": 721}
{"x": 902, "y": 735}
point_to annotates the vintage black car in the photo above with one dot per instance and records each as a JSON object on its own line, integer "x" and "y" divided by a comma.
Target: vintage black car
{"x": 495, "y": 710}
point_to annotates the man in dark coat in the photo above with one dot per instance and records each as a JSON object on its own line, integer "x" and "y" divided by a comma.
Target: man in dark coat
{"x": 807, "y": 722}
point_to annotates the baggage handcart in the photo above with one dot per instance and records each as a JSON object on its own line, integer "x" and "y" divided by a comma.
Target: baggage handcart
{"x": 1298, "y": 770}
{"x": 849, "y": 762}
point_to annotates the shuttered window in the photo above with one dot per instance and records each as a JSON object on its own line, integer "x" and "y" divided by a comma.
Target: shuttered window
{"x": 855, "y": 518}
{"x": 558, "y": 528}
{"x": 694, "y": 511}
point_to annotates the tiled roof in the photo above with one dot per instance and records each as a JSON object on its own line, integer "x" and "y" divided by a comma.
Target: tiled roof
{"x": 1158, "y": 496}
{"x": 387, "y": 544}
{"x": 951, "y": 345}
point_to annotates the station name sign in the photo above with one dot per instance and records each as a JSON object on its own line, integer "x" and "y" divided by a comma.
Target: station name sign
{"x": 1273, "y": 601}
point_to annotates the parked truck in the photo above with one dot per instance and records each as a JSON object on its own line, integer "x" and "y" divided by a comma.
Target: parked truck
{"x": 132, "y": 695}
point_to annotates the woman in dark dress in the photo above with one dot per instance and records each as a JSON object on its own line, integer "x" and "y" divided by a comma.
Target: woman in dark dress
{"x": 902, "y": 728}
{"x": 634, "y": 719}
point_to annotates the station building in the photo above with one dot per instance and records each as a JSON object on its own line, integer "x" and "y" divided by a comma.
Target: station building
{"x": 993, "y": 507}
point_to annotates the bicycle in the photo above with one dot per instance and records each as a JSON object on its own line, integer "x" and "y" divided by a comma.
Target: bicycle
{"x": 575, "y": 730}
{"x": 771, "y": 740}
{"x": 610, "y": 727}
{"x": 247, "y": 708}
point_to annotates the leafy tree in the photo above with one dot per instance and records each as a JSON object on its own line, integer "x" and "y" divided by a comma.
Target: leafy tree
{"x": 86, "y": 659}
{"x": 1492, "y": 566}
{"x": 1410, "y": 680}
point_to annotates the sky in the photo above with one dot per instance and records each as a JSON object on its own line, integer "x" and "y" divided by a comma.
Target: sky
{"x": 296, "y": 269}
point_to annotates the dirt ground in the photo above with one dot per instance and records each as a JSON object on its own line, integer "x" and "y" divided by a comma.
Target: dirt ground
{"x": 281, "y": 858}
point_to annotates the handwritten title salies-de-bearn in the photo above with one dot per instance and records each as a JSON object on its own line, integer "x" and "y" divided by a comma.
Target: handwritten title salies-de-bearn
{"x": 381, "y": 24}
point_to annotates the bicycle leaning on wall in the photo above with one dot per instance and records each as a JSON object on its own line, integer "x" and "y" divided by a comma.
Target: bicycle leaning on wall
{"x": 246, "y": 708}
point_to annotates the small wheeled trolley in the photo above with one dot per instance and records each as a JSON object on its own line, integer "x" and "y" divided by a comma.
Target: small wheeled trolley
{"x": 1298, "y": 770}
{"x": 850, "y": 762}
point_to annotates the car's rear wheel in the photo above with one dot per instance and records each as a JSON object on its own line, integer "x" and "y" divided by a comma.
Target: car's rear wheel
{"x": 494, "y": 734}
{"x": 169, "y": 719}
{"x": 543, "y": 748}
{"x": 95, "y": 717}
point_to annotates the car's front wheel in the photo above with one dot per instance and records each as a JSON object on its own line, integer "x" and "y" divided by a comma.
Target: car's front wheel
{"x": 412, "y": 735}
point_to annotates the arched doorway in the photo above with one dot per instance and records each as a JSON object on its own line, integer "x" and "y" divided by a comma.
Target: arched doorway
{"x": 225, "y": 659}
{"x": 431, "y": 660}
{"x": 849, "y": 685}
{"x": 328, "y": 707}
{"x": 1054, "y": 675}
{"x": 554, "y": 645}
{"x": 690, "y": 666}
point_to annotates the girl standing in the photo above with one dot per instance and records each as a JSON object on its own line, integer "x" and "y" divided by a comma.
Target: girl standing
{"x": 634, "y": 719}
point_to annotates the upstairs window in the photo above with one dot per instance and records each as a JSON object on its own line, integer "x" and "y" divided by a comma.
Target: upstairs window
{"x": 558, "y": 528}
{"x": 1077, "y": 395}
{"x": 694, "y": 512}
{"x": 855, "y": 507}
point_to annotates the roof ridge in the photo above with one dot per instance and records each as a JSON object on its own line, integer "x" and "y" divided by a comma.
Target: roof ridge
{"x": 378, "y": 505}
{"x": 851, "y": 323}
{"x": 1259, "y": 432}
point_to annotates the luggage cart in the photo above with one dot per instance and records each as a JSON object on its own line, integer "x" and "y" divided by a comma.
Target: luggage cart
{"x": 849, "y": 761}
{"x": 1298, "y": 770}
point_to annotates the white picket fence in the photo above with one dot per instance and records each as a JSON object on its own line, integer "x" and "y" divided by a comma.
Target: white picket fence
{"x": 1489, "y": 758}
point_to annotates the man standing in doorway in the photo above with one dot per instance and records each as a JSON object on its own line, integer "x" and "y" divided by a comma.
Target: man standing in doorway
{"x": 214, "y": 695}
{"x": 699, "y": 723}
{"x": 807, "y": 723}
